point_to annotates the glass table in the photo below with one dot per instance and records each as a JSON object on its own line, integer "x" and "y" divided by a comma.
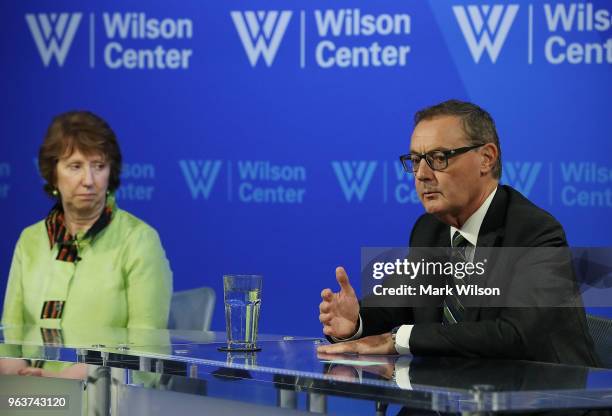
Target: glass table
{"x": 160, "y": 372}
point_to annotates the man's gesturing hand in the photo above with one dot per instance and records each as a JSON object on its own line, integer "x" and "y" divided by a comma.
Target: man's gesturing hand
{"x": 339, "y": 312}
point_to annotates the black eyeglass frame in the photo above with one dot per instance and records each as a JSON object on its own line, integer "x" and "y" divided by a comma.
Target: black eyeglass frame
{"x": 448, "y": 154}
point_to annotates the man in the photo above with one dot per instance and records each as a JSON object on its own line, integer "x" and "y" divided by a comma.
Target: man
{"x": 456, "y": 159}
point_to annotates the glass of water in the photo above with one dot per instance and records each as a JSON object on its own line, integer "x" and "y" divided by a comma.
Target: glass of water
{"x": 242, "y": 298}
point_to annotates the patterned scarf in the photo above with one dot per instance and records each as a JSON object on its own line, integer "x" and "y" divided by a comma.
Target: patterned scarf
{"x": 58, "y": 233}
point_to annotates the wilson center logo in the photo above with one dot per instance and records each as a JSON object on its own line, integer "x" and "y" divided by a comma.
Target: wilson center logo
{"x": 521, "y": 175}
{"x": 261, "y": 32}
{"x": 485, "y": 27}
{"x": 53, "y": 34}
{"x": 354, "y": 177}
{"x": 200, "y": 176}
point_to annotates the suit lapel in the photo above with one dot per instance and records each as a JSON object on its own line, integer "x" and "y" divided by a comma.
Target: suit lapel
{"x": 491, "y": 235}
{"x": 432, "y": 235}
{"x": 492, "y": 229}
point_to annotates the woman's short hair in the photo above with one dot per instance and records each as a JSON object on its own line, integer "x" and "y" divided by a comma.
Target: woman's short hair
{"x": 83, "y": 131}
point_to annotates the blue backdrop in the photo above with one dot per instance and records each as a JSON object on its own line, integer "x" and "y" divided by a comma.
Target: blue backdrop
{"x": 263, "y": 136}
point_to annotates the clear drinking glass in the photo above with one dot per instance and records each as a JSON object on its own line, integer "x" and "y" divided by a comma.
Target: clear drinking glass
{"x": 242, "y": 298}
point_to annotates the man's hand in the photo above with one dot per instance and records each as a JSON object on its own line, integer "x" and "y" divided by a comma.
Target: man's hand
{"x": 385, "y": 369}
{"x": 375, "y": 344}
{"x": 339, "y": 312}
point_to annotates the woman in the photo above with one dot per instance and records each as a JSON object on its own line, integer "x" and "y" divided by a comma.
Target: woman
{"x": 88, "y": 263}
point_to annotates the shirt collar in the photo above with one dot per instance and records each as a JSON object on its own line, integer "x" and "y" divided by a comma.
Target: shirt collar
{"x": 471, "y": 227}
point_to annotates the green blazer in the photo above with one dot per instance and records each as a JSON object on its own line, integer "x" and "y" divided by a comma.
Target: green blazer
{"x": 122, "y": 280}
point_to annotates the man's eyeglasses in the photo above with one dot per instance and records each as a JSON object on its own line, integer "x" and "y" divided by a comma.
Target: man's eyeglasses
{"x": 436, "y": 159}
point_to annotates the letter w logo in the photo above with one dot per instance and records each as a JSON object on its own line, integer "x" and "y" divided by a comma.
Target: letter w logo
{"x": 521, "y": 175}
{"x": 53, "y": 34}
{"x": 261, "y": 32}
{"x": 473, "y": 26}
{"x": 354, "y": 177}
{"x": 200, "y": 175}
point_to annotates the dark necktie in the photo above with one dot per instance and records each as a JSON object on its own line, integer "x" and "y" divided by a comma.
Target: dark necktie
{"x": 453, "y": 308}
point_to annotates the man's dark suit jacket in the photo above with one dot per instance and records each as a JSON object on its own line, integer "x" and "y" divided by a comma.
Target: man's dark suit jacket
{"x": 557, "y": 335}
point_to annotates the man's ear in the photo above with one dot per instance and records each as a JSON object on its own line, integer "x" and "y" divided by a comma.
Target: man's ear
{"x": 488, "y": 158}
